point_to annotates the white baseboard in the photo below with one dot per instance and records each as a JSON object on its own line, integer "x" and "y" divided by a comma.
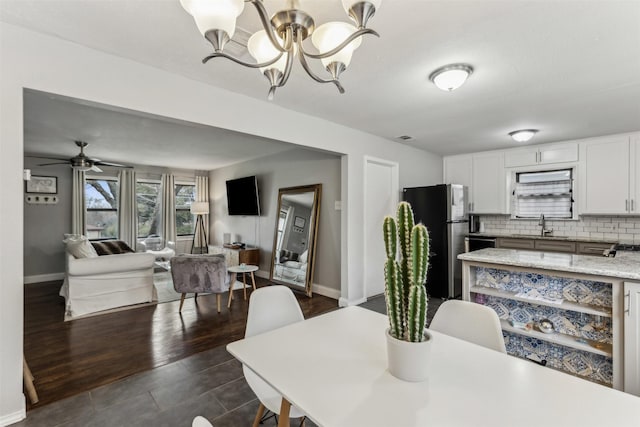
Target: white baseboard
{"x": 326, "y": 291}
{"x": 343, "y": 302}
{"x": 43, "y": 278}
{"x": 8, "y": 419}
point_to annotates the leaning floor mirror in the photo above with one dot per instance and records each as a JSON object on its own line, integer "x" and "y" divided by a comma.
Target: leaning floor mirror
{"x": 295, "y": 237}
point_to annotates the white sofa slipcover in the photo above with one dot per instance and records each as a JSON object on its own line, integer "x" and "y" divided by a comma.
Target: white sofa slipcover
{"x": 106, "y": 282}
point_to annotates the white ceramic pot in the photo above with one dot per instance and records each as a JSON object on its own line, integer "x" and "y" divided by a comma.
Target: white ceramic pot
{"x": 409, "y": 361}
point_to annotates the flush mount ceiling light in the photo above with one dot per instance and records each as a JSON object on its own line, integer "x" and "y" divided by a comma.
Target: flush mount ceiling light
{"x": 451, "y": 77}
{"x": 275, "y": 47}
{"x": 523, "y": 135}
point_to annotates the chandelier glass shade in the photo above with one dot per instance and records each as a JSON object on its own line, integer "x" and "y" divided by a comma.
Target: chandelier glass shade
{"x": 275, "y": 47}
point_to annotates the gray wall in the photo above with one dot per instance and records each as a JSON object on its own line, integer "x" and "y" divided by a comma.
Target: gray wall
{"x": 288, "y": 169}
{"x": 45, "y": 225}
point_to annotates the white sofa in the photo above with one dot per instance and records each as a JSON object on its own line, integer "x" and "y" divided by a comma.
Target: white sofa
{"x": 106, "y": 282}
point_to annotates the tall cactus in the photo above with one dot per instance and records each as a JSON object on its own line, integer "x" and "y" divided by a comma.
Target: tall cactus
{"x": 406, "y": 297}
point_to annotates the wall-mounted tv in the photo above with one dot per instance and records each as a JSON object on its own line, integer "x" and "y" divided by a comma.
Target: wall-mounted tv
{"x": 242, "y": 196}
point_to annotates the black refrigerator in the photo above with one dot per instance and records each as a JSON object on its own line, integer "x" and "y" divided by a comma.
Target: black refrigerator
{"x": 442, "y": 209}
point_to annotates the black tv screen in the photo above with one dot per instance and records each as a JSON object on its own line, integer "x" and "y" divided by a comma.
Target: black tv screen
{"x": 242, "y": 196}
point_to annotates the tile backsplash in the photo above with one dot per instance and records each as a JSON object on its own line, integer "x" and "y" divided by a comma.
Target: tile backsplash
{"x": 614, "y": 228}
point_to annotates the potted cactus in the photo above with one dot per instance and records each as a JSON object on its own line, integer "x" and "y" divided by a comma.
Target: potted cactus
{"x": 408, "y": 343}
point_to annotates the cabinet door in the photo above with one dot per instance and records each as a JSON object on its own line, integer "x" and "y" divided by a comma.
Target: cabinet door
{"x": 605, "y": 176}
{"x": 592, "y": 248}
{"x": 632, "y": 338}
{"x": 555, "y": 246}
{"x": 635, "y": 175}
{"x": 489, "y": 184}
{"x": 457, "y": 170}
{"x": 507, "y": 243}
{"x": 524, "y": 157}
{"x": 567, "y": 152}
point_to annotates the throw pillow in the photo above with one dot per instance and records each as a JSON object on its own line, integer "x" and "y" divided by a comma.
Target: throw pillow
{"x": 111, "y": 247}
{"x": 79, "y": 246}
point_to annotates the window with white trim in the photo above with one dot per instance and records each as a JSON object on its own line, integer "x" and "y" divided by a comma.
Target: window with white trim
{"x": 548, "y": 193}
{"x": 101, "y": 204}
{"x": 185, "y": 195}
{"x": 149, "y": 209}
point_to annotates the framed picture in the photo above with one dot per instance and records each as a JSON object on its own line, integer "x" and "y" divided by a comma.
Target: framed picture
{"x": 43, "y": 185}
{"x": 299, "y": 222}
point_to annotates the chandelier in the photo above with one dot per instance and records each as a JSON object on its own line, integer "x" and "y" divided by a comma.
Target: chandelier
{"x": 275, "y": 47}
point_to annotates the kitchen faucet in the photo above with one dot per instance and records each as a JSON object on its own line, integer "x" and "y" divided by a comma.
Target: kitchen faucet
{"x": 543, "y": 224}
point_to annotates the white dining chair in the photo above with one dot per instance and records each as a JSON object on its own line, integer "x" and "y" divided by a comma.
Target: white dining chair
{"x": 201, "y": 422}
{"x": 270, "y": 308}
{"x": 471, "y": 322}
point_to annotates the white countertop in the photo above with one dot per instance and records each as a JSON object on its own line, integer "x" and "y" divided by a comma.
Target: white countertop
{"x": 625, "y": 265}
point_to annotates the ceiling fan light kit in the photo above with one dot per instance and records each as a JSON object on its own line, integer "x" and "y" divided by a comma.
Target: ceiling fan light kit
{"x": 523, "y": 135}
{"x": 281, "y": 40}
{"x": 451, "y": 77}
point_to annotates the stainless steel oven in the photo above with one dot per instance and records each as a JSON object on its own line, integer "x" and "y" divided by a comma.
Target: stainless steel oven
{"x": 472, "y": 243}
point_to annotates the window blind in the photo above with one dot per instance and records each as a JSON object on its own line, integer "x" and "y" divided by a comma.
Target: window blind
{"x": 548, "y": 193}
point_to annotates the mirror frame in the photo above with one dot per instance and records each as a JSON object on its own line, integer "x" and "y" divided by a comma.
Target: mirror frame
{"x": 316, "y": 189}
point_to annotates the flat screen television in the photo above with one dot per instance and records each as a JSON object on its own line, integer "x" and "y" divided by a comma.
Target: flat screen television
{"x": 242, "y": 196}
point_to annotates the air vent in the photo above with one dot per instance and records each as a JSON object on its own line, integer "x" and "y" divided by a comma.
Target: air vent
{"x": 404, "y": 138}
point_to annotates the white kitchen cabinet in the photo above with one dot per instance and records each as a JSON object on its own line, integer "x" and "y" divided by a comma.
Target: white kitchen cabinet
{"x": 634, "y": 182}
{"x": 609, "y": 176}
{"x": 457, "y": 170}
{"x": 541, "y": 155}
{"x": 632, "y": 338}
{"x": 489, "y": 184}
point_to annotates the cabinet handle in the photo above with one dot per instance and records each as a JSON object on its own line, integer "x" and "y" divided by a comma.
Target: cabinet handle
{"x": 632, "y": 203}
{"x": 539, "y": 157}
{"x": 626, "y": 205}
{"x": 627, "y": 296}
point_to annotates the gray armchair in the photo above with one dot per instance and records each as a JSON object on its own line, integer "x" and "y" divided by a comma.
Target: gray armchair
{"x": 200, "y": 274}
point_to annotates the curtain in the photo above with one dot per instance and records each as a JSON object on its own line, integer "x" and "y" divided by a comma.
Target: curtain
{"x": 78, "y": 209}
{"x": 168, "y": 208}
{"x": 127, "y": 211}
{"x": 202, "y": 195}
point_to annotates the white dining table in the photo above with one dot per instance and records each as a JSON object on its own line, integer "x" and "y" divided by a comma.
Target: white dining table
{"x": 334, "y": 368}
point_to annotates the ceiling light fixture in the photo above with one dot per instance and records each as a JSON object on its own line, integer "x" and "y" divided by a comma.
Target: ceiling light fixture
{"x": 523, "y": 135}
{"x": 451, "y": 77}
{"x": 275, "y": 47}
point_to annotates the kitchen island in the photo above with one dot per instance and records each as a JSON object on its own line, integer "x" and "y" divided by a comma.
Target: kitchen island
{"x": 592, "y": 303}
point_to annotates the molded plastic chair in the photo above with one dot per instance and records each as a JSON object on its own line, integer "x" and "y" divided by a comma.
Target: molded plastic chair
{"x": 200, "y": 422}
{"x": 471, "y": 322}
{"x": 270, "y": 308}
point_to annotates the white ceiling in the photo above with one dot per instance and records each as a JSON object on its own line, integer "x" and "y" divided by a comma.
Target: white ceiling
{"x": 568, "y": 68}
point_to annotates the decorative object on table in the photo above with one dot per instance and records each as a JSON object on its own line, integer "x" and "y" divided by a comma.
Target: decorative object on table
{"x": 408, "y": 344}
{"x": 275, "y": 47}
{"x": 42, "y": 185}
{"x": 200, "y": 209}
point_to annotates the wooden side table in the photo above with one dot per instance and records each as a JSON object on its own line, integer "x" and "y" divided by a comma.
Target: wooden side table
{"x": 244, "y": 269}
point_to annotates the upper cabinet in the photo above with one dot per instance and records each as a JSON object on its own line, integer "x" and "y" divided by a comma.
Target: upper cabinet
{"x": 609, "y": 175}
{"x": 542, "y": 155}
{"x": 485, "y": 177}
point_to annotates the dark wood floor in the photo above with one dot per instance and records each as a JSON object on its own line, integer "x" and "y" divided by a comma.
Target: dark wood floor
{"x": 68, "y": 358}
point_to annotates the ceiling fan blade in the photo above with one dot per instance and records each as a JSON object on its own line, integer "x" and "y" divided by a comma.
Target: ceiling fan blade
{"x": 45, "y": 157}
{"x": 56, "y": 163}
{"x": 116, "y": 165}
{"x": 94, "y": 168}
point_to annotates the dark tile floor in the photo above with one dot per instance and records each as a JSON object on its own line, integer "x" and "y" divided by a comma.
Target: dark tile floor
{"x": 209, "y": 383}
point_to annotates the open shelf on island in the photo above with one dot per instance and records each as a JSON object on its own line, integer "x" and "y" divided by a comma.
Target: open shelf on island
{"x": 565, "y": 305}
{"x": 584, "y": 344}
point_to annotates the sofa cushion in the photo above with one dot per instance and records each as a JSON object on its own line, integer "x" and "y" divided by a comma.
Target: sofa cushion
{"x": 79, "y": 246}
{"x": 111, "y": 247}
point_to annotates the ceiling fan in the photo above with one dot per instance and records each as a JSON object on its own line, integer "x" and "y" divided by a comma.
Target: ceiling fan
{"x": 81, "y": 161}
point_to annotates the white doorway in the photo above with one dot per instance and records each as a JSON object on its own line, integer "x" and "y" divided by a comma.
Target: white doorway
{"x": 381, "y": 195}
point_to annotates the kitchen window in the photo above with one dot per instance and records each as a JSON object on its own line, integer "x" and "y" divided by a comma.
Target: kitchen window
{"x": 548, "y": 193}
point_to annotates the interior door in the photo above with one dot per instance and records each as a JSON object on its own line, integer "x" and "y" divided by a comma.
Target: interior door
{"x": 381, "y": 197}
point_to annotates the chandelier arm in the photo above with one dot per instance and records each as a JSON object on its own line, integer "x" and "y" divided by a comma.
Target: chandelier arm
{"x": 289, "y": 64}
{"x": 237, "y": 61}
{"x": 305, "y": 65}
{"x": 268, "y": 28}
{"x": 341, "y": 46}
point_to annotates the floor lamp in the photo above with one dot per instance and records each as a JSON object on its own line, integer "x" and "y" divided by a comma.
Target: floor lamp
{"x": 200, "y": 209}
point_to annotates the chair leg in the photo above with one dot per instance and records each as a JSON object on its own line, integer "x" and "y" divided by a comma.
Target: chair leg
{"x": 285, "y": 408}
{"x": 195, "y": 297}
{"x": 256, "y": 421}
{"x": 218, "y": 299}
{"x": 182, "y": 297}
{"x": 28, "y": 382}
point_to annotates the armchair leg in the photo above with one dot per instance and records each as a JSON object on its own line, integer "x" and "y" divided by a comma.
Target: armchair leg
{"x": 218, "y": 300}
{"x": 182, "y": 297}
